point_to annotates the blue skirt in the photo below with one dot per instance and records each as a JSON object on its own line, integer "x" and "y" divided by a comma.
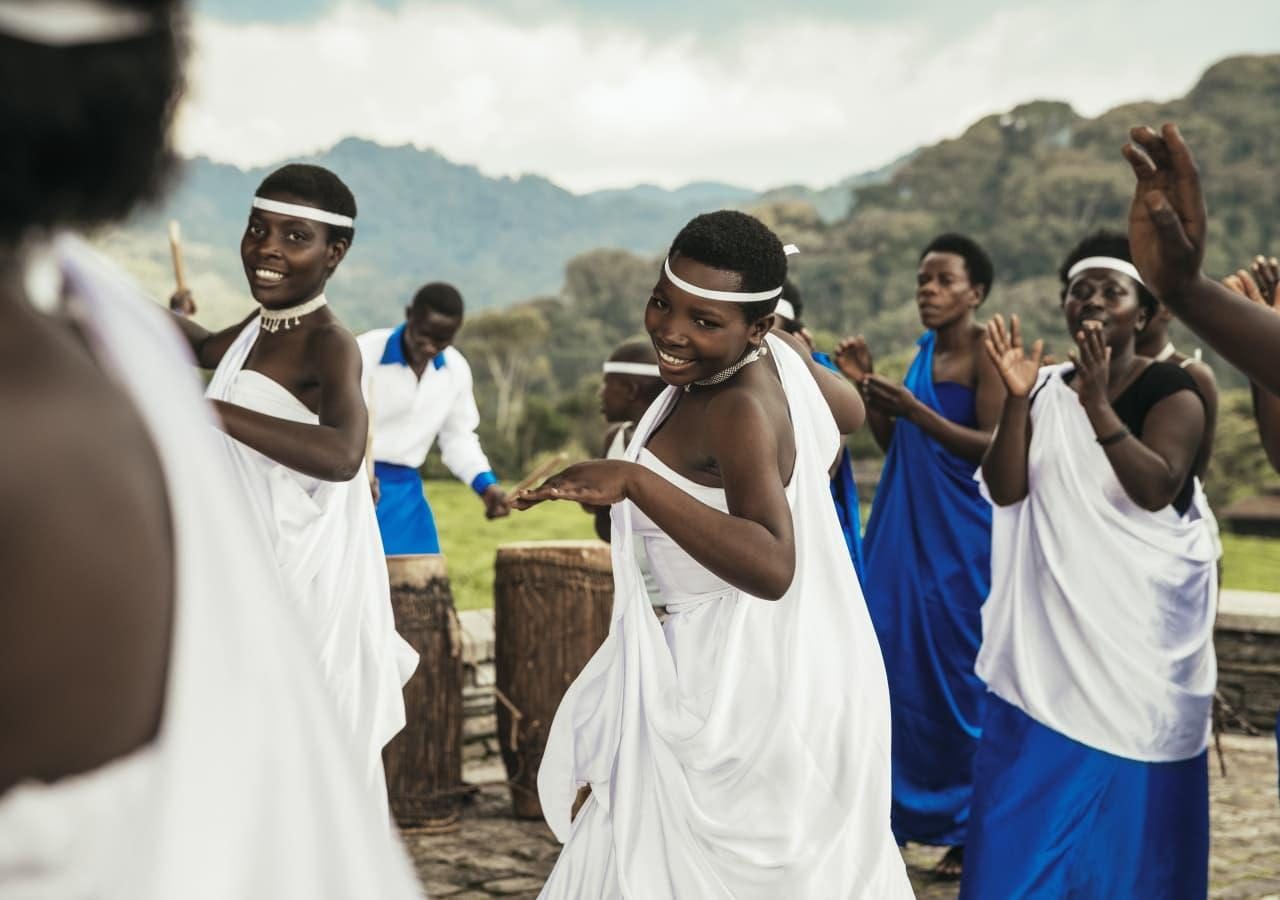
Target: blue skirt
{"x": 1053, "y": 818}
{"x": 404, "y": 518}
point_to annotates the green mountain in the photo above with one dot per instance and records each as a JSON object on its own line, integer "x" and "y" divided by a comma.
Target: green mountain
{"x": 422, "y": 218}
{"x": 1027, "y": 184}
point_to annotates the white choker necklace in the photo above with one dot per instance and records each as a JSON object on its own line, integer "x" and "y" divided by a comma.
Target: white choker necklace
{"x": 1166, "y": 352}
{"x": 275, "y": 319}
{"x": 747, "y": 359}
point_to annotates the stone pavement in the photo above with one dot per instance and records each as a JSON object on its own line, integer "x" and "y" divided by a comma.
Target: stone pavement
{"x": 494, "y": 855}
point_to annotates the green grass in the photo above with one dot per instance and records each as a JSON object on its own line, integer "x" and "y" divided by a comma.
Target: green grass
{"x": 1250, "y": 563}
{"x": 470, "y": 542}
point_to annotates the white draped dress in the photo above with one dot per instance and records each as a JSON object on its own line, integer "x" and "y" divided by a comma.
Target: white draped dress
{"x": 252, "y": 788}
{"x": 740, "y": 749}
{"x": 325, "y": 540}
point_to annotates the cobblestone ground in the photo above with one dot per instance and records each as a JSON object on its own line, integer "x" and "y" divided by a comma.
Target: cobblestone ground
{"x": 495, "y": 855}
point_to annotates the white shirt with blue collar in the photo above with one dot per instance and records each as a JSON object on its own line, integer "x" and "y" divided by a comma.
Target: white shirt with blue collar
{"x": 409, "y": 414}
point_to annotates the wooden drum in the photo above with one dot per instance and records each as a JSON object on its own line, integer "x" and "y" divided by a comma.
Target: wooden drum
{"x": 552, "y": 603}
{"x": 424, "y": 761}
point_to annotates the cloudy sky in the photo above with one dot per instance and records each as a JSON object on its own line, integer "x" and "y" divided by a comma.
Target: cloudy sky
{"x": 611, "y": 93}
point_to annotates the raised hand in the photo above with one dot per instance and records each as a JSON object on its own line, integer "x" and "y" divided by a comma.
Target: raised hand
{"x": 1266, "y": 274}
{"x": 1092, "y": 357}
{"x": 601, "y": 482}
{"x": 1167, "y": 218}
{"x": 1018, "y": 371}
{"x": 853, "y": 359}
{"x": 889, "y": 397}
{"x": 183, "y": 303}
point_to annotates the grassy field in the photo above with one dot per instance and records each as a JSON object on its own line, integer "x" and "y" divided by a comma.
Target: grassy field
{"x": 469, "y": 542}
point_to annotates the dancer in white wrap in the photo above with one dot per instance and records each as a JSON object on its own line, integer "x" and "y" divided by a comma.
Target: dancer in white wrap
{"x": 166, "y": 733}
{"x": 287, "y": 387}
{"x": 1091, "y": 776}
{"x": 740, "y": 749}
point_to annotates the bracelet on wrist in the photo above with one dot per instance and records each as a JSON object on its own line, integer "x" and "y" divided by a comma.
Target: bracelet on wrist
{"x": 1114, "y": 438}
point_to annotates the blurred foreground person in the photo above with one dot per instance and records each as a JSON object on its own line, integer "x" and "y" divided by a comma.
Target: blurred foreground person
{"x": 165, "y": 730}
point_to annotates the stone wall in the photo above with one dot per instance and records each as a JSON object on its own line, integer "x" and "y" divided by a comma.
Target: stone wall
{"x": 1247, "y": 639}
{"x": 479, "y": 721}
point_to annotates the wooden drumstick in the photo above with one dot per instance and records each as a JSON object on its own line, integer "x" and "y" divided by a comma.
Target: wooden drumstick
{"x": 541, "y": 473}
{"x": 175, "y": 251}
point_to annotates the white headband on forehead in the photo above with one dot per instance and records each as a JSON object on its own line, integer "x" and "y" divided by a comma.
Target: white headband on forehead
{"x": 730, "y": 296}
{"x": 648, "y": 370}
{"x": 303, "y": 212}
{"x": 67, "y": 23}
{"x": 1106, "y": 262}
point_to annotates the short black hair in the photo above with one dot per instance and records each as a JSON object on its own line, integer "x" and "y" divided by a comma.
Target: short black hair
{"x": 319, "y": 187}
{"x": 634, "y": 352}
{"x": 439, "y": 297}
{"x": 86, "y": 128}
{"x": 977, "y": 263}
{"x": 791, "y": 293}
{"x": 736, "y": 242}
{"x": 1105, "y": 242}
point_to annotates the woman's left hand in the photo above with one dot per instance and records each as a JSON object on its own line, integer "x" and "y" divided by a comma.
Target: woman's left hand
{"x": 1092, "y": 358}
{"x": 601, "y": 482}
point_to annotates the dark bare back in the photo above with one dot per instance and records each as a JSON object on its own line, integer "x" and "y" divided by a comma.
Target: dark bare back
{"x": 87, "y": 556}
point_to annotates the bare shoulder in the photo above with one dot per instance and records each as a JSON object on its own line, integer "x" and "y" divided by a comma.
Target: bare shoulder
{"x": 332, "y": 348}
{"x": 1204, "y": 377}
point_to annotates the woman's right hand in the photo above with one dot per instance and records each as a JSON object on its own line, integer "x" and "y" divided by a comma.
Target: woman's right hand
{"x": 853, "y": 359}
{"x": 183, "y": 303}
{"x": 1018, "y": 371}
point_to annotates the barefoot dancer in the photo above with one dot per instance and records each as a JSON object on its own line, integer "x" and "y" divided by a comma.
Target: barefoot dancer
{"x": 287, "y": 388}
{"x": 741, "y": 749}
{"x": 166, "y": 733}
{"x": 1091, "y": 778}
{"x": 928, "y": 542}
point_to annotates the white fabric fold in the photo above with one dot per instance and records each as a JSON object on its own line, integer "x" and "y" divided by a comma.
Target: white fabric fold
{"x": 252, "y": 787}
{"x": 329, "y": 551}
{"x": 1100, "y": 619}
{"x": 741, "y": 750}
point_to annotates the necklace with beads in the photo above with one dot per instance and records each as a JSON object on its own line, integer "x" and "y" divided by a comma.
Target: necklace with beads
{"x": 275, "y": 319}
{"x": 747, "y": 359}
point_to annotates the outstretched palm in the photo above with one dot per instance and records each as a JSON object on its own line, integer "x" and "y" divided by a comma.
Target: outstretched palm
{"x": 1167, "y": 219}
{"x": 1018, "y": 370}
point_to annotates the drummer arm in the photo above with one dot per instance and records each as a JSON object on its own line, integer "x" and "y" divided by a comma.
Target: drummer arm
{"x": 752, "y": 547}
{"x": 209, "y": 346}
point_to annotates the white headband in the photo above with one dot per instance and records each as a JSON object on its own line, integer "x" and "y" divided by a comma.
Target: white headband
{"x": 785, "y": 309}
{"x": 303, "y": 212}
{"x": 67, "y": 23}
{"x": 1106, "y": 262}
{"x": 731, "y": 296}
{"x": 648, "y": 370}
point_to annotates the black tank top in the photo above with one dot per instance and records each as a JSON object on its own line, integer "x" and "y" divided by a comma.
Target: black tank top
{"x": 1156, "y": 381}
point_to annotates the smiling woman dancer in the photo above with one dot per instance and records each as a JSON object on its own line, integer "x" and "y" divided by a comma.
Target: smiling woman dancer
{"x": 741, "y": 749}
{"x": 1097, "y": 639}
{"x": 165, "y": 733}
{"x": 287, "y": 388}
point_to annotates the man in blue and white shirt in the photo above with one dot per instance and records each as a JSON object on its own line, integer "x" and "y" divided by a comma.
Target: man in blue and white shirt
{"x": 419, "y": 390}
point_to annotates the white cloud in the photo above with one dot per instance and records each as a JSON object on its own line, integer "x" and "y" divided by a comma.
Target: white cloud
{"x": 590, "y": 107}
